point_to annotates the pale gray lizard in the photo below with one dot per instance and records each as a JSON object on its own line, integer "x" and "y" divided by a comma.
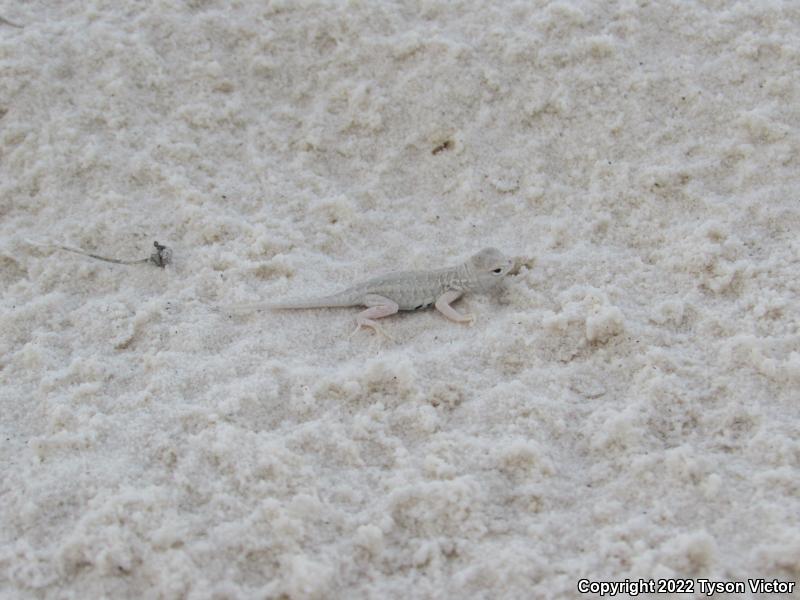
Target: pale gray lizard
{"x": 411, "y": 290}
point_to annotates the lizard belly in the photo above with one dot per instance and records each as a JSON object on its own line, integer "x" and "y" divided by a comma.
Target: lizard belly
{"x": 410, "y": 293}
{"x": 405, "y": 301}
{"x": 419, "y": 304}
{"x": 418, "y": 299}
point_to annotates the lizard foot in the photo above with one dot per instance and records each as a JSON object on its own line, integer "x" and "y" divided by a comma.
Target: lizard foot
{"x": 375, "y": 327}
{"x": 379, "y": 307}
{"x": 443, "y": 306}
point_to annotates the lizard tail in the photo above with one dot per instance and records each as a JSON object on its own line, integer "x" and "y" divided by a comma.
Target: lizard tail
{"x": 340, "y": 300}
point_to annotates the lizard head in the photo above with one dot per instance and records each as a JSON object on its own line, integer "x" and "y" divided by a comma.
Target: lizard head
{"x": 490, "y": 266}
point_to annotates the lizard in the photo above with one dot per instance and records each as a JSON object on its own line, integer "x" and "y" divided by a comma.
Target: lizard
{"x": 387, "y": 294}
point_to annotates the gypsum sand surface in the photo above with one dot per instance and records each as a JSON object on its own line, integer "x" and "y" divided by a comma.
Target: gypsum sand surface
{"x": 627, "y": 408}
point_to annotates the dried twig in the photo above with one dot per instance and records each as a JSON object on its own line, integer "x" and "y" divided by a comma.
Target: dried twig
{"x": 5, "y": 21}
{"x": 160, "y": 257}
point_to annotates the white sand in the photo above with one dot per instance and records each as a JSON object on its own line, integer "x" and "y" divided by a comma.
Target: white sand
{"x": 627, "y": 408}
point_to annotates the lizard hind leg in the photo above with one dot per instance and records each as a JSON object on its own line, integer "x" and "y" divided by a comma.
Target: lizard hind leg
{"x": 378, "y": 307}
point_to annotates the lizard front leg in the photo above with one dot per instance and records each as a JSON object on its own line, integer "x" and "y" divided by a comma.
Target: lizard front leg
{"x": 443, "y": 306}
{"x": 379, "y": 307}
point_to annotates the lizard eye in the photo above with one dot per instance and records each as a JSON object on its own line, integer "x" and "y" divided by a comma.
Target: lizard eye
{"x": 497, "y": 271}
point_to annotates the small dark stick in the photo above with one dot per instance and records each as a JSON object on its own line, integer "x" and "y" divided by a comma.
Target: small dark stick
{"x": 160, "y": 257}
{"x": 9, "y": 23}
